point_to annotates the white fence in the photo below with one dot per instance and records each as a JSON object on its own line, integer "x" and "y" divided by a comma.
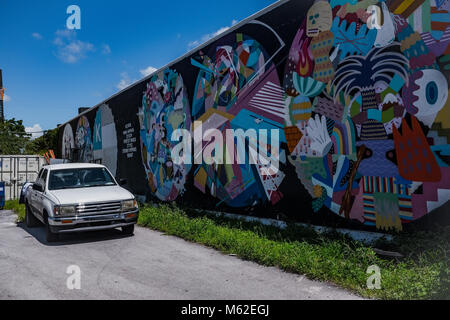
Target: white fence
{"x": 16, "y": 170}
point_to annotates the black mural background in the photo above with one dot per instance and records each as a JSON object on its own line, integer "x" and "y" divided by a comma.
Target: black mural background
{"x": 296, "y": 203}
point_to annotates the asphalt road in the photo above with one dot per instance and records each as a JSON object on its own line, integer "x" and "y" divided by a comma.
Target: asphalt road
{"x": 149, "y": 265}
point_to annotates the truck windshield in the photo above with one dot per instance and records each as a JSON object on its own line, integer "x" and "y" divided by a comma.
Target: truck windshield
{"x": 79, "y": 178}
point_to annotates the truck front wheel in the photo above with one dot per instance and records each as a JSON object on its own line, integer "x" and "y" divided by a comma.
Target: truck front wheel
{"x": 49, "y": 235}
{"x": 30, "y": 220}
{"x": 128, "y": 230}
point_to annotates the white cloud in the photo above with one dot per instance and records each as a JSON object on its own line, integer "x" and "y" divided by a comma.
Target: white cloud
{"x": 6, "y": 98}
{"x": 69, "y": 48}
{"x": 147, "y": 71}
{"x": 106, "y": 49}
{"x": 209, "y": 36}
{"x": 36, "y": 131}
{"x": 63, "y": 35}
{"x": 125, "y": 81}
{"x": 36, "y": 35}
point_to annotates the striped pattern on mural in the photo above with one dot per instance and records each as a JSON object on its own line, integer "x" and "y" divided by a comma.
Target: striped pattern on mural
{"x": 374, "y": 185}
{"x": 269, "y": 99}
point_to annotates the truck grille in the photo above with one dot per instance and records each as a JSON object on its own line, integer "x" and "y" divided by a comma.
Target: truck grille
{"x": 99, "y": 208}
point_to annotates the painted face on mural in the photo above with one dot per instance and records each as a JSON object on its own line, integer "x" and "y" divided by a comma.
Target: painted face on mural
{"x": 319, "y": 18}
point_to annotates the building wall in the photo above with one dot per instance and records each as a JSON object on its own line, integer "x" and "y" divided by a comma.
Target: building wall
{"x": 357, "y": 91}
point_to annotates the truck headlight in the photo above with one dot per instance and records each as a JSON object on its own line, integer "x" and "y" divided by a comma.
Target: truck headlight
{"x": 64, "y": 211}
{"x": 129, "y": 205}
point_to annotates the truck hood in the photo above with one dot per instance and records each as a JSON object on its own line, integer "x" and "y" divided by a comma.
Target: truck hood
{"x": 91, "y": 195}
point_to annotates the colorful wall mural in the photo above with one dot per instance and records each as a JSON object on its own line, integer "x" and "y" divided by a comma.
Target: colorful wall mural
{"x": 83, "y": 140}
{"x": 165, "y": 108}
{"x": 357, "y": 92}
{"x": 68, "y": 142}
{"x": 237, "y": 88}
{"x": 104, "y": 139}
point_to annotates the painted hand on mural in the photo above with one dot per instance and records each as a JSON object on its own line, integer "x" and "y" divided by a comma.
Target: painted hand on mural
{"x": 317, "y": 130}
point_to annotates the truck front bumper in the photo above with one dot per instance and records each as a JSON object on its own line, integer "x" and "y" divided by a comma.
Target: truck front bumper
{"x": 92, "y": 222}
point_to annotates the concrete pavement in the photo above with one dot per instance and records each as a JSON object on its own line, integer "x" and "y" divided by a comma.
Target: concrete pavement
{"x": 149, "y": 265}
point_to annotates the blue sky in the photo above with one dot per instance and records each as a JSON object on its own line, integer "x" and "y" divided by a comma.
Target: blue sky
{"x": 49, "y": 71}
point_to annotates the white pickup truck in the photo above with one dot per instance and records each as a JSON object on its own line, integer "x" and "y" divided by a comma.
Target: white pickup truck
{"x": 79, "y": 197}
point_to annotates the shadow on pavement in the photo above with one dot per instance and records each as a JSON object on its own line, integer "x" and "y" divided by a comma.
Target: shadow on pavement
{"x": 73, "y": 238}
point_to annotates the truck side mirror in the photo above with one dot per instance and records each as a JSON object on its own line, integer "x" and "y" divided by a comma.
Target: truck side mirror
{"x": 123, "y": 182}
{"x": 38, "y": 187}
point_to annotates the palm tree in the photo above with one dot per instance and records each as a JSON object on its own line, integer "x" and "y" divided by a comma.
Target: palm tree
{"x": 359, "y": 74}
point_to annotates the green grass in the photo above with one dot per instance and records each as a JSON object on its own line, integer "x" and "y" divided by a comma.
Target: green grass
{"x": 422, "y": 274}
{"x": 18, "y": 208}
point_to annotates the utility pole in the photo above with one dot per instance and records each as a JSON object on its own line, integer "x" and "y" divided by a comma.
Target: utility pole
{"x": 2, "y": 93}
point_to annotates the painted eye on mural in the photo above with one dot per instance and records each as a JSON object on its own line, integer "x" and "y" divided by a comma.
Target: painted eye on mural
{"x": 392, "y": 156}
{"x": 432, "y": 92}
{"x": 368, "y": 153}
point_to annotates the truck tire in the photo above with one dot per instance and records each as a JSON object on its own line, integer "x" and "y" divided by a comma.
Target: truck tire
{"x": 128, "y": 230}
{"x": 49, "y": 235}
{"x": 30, "y": 220}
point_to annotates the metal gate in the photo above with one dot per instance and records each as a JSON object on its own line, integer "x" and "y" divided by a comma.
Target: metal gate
{"x": 16, "y": 170}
